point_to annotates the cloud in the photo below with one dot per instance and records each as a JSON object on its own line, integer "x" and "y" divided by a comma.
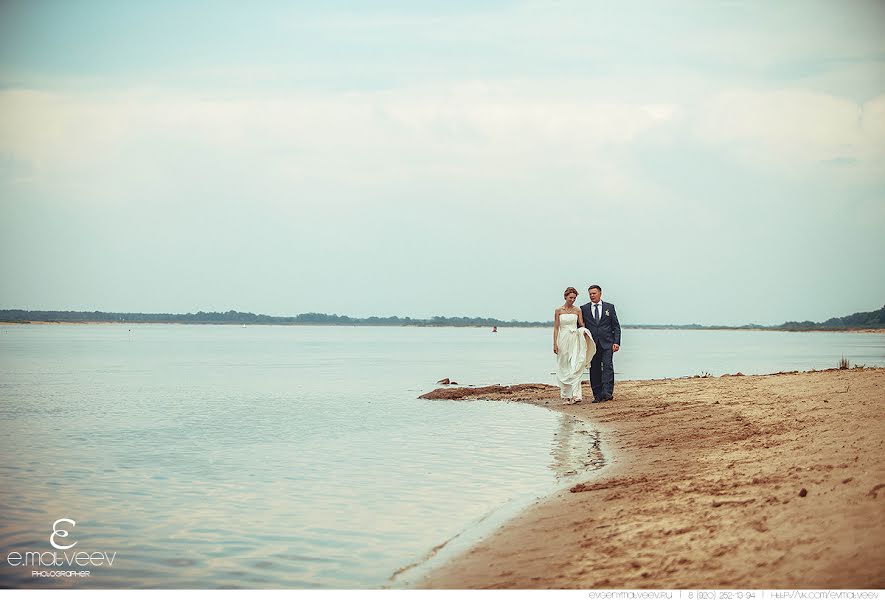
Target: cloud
{"x": 469, "y": 129}
{"x": 399, "y": 143}
{"x": 784, "y": 129}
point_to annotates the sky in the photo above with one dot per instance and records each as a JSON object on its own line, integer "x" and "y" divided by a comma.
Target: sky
{"x": 713, "y": 162}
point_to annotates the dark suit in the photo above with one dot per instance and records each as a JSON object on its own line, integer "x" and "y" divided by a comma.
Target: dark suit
{"x": 605, "y": 332}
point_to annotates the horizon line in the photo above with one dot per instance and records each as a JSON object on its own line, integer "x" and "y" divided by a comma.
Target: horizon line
{"x": 424, "y": 320}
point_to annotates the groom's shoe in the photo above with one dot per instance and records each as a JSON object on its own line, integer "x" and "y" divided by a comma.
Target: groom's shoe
{"x": 607, "y": 397}
{"x": 598, "y": 400}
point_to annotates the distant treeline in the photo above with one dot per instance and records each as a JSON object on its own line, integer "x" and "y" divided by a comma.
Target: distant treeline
{"x": 861, "y": 320}
{"x": 867, "y": 320}
{"x": 246, "y": 318}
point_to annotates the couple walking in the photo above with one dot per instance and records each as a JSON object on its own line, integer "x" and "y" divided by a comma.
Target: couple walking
{"x": 589, "y": 335}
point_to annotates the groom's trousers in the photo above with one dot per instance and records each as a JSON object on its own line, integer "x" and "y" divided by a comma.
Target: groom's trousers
{"x": 602, "y": 373}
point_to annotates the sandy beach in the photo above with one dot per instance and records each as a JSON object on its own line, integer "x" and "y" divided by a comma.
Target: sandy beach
{"x": 773, "y": 481}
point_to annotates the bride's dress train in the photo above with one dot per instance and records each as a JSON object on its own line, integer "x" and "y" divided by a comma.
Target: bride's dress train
{"x": 576, "y": 350}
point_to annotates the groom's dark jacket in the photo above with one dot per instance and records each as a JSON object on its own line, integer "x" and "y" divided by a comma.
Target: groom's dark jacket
{"x": 608, "y": 330}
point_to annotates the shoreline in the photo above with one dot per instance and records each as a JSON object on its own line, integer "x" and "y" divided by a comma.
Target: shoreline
{"x": 632, "y": 327}
{"x": 704, "y": 489}
{"x": 585, "y": 460}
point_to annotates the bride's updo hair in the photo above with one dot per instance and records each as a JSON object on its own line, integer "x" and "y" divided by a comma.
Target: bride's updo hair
{"x": 569, "y": 290}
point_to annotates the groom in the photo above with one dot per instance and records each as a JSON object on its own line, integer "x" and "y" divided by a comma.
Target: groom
{"x": 602, "y": 321}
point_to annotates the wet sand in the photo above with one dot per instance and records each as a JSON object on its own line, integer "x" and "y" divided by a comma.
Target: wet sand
{"x": 773, "y": 481}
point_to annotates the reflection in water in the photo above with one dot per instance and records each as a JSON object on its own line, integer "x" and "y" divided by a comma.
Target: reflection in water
{"x": 576, "y": 449}
{"x": 576, "y": 453}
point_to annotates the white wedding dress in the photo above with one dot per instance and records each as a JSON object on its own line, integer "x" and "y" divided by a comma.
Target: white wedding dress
{"x": 576, "y": 350}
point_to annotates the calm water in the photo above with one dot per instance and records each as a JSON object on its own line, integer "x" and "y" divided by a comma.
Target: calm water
{"x": 215, "y": 456}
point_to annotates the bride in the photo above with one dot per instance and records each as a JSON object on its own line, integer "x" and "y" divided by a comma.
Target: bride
{"x": 573, "y": 346}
